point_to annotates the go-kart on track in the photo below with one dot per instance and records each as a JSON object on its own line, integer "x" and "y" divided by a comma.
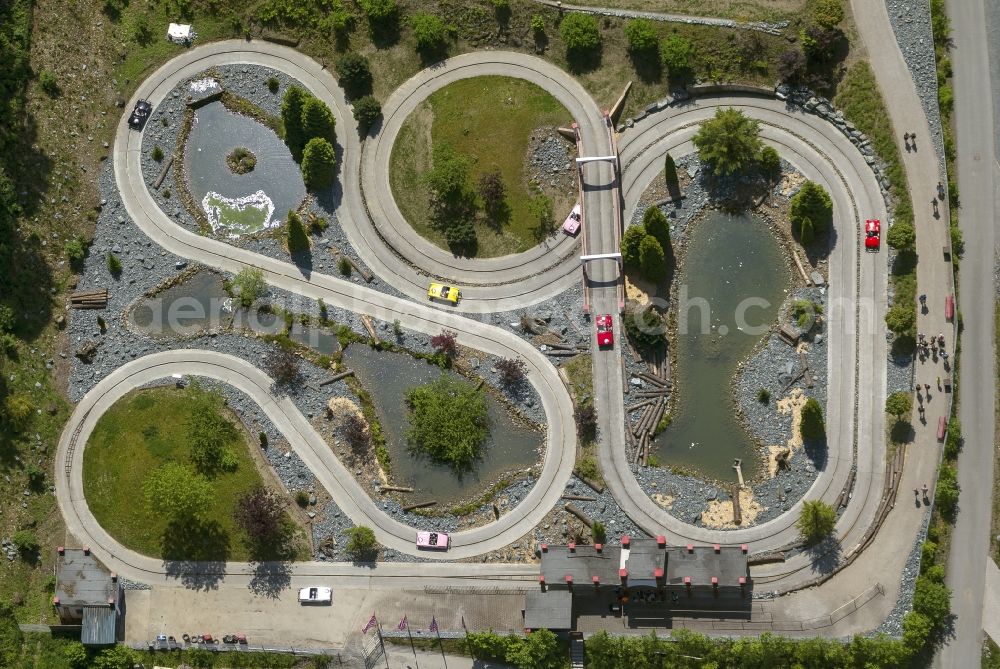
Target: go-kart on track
{"x": 857, "y": 344}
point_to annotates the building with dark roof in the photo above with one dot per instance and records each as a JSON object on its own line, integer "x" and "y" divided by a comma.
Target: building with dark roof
{"x": 645, "y": 577}
{"x": 88, "y": 596}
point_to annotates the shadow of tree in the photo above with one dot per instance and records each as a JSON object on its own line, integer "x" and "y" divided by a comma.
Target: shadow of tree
{"x": 195, "y": 552}
{"x": 270, "y": 578}
{"x": 826, "y": 555}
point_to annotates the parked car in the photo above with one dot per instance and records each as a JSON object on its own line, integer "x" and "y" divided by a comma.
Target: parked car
{"x": 439, "y": 291}
{"x": 605, "y": 331}
{"x": 873, "y": 234}
{"x": 140, "y": 114}
{"x": 315, "y": 595}
{"x": 572, "y": 224}
{"x": 433, "y": 540}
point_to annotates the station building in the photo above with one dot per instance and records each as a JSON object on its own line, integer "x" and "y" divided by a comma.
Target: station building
{"x": 89, "y": 597}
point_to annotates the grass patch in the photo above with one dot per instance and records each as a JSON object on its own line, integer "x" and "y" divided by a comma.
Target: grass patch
{"x": 580, "y": 372}
{"x": 240, "y": 105}
{"x": 143, "y": 430}
{"x": 489, "y": 119}
{"x": 737, "y": 10}
{"x": 995, "y": 523}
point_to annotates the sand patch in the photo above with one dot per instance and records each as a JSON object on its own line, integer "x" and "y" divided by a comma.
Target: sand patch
{"x": 719, "y": 514}
{"x": 341, "y": 407}
{"x": 636, "y": 292}
{"x": 666, "y": 501}
{"x": 791, "y": 183}
{"x": 792, "y": 404}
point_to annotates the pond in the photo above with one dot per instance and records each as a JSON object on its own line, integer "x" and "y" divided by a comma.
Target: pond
{"x": 196, "y": 305}
{"x": 240, "y": 203}
{"x": 387, "y": 376}
{"x": 736, "y": 266}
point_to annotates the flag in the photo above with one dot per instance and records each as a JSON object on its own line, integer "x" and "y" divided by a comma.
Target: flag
{"x": 402, "y": 624}
{"x": 370, "y": 624}
{"x": 434, "y": 624}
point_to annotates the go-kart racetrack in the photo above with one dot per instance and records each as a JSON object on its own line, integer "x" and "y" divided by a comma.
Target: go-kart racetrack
{"x": 857, "y": 367}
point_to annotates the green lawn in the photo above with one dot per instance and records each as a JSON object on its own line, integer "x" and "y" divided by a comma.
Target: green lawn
{"x": 142, "y": 431}
{"x": 489, "y": 119}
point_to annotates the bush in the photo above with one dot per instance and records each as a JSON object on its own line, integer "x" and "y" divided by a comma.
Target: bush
{"x": 812, "y": 427}
{"x": 379, "y": 11}
{"x": 537, "y": 24}
{"x": 901, "y": 318}
{"x": 114, "y": 265}
{"x": 354, "y": 74}
{"x": 446, "y": 342}
{"x": 645, "y": 328}
{"x": 827, "y": 13}
{"x": 916, "y": 628}
{"x": 295, "y": 236}
{"x": 770, "y": 162}
{"x": 366, "y": 112}
{"x": 652, "y": 263}
{"x": 451, "y": 198}
{"x": 586, "y": 467}
{"x": 344, "y": 266}
{"x": 76, "y": 655}
{"x": 675, "y": 54}
{"x": 598, "y": 531}
{"x": 178, "y": 491}
{"x": 302, "y": 498}
{"x": 241, "y": 160}
{"x": 7, "y": 319}
{"x": 292, "y": 105}
{"x": 318, "y": 163}
{"x": 492, "y": 190}
{"x": 932, "y": 600}
{"x": 586, "y": 422}
{"x": 207, "y": 429}
{"x": 670, "y": 175}
{"x": 641, "y": 36}
{"x": 76, "y": 251}
{"x": 729, "y": 142}
{"x": 430, "y": 33}
{"x": 811, "y": 202}
{"x": 946, "y": 491}
{"x": 902, "y": 236}
{"x": 655, "y": 223}
{"x": 928, "y": 553}
{"x": 816, "y": 521}
{"x": 953, "y": 440}
{"x": 26, "y": 543}
{"x": 631, "y": 241}
{"x": 317, "y": 121}
{"x": 448, "y": 421}
{"x": 361, "y": 541}
{"x": 261, "y": 515}
{"x": 48, "y": 83}
{"x": 116, "y": 657}
{"x": 512, "y": 371}
{"x": 763, "y": 395}
{"x": 282, "y": 366}
{"x": 792, "y": 66}
{"x": 899, "y": 404}
{"x": 272, "y": 84}
{"x": 580, "y": 34}
{"x": 250, "y": 284}
{"x": 157, "y": 153}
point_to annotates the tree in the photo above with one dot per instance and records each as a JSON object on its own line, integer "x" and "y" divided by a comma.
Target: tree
{"x": 366, "y": 112}
{"x": 916, "y": 628}
{"x": 816, "y": 521}
{"x": 898, "y": 404}
{"x": 26, "y": 543}
{"x": 539, "y": 650}
{"x": 675, "y": 54}
{"x": 670, "y": 175}
{"x": 446, "y": 342}
{"x": 448, "y": 421}
{"x": 654, "y": 221}
{"x": 208, "y": 431}
{"x": 430, "y": 33}
{"x": 250, "y": 284}
{"x": 811, "y": 426}
{"x": 282, "y": 366}
{"x": 652, "y": 264}
{"x": 641, "y": 36}
{"x": 492, "y": 189}
{"x": 318, "y": 163}
{"x": 296, "y": 237}
{"x": 902, "y": 236}
{"x": 792, "y": 65}
{"x": 291, "y": 117}
{"x": 317, "y": 121}
{"x": 901, "y": 318}
{"x": 729, "y": 142}
{"x": 812, "y": 202}
{"x": 452, "y": 199}
{"x": 178, "y": 491}
{"x": 953, "y": 440}
{"x": 512, "y": 371}
{"x": 379, "y": 12}
{"x": 580, "y": 34}
{"x": 116, "y": 657}
{"x": 261, "y": 514}
{"x": 770, "y": 162}
{"x": 932, "y": 600}
{"x": 76, "y": 655}
{"x": 354, "y": 74}
{"x": 630, "y": 243}
{"x": 946, "y": 491}
{"x": 361, "y": 541}
{"x": 827, "y": 13}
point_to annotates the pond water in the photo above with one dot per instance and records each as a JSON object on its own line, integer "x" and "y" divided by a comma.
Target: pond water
{"x": 736, "y": 266}
{"x": 197, "y": 304}
{"x": 387, "y": 376}
{"x": 240, "y": 203}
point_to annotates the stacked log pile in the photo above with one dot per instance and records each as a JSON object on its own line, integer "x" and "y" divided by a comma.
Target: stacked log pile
{"x": 89, "y": 299}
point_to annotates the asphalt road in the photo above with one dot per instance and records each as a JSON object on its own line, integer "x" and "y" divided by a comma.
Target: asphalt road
{"x": 975, "y": 123}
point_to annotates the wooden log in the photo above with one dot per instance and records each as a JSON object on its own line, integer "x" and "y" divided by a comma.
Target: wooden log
{"x": 593, "y": 485}
{"x": 580, "y": 498}
{"x": 638, "y": 405}
{"x": 365, "y": 274}
{"x": 737, "y": 514}
{"x": 661, "y": 408}
{"x": 571, "y": 508}
{"x": 561, "y": 354}
{"x": 81, "y": 294}
{"x": 766, "y": 558}
{"x": 163, "y": 172}
{"x": 638, "y": 429}
{"x": 563, "y": 347}
{"x": 656, "y": 381}
{"x": 337, "y": 377}
{"x": 395, "y": 488}
{"x": 370, "y": 327}
{"x": 422, "y": 505}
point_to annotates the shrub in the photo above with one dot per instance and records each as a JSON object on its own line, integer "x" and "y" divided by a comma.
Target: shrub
{"x": 901, "y": 318}
{"x": 645, "y": 328}
{"x": 451, "y": 197}
{"x": 641, "y": 36}
{"x": 492, "y": 189}
{"x": 928, "y": 553}
{"x": 366, "y": 112}
{"x": 430, "y": 33}
{"x": 812, "y": 427}
{"x": 654, "y": 221}
{"x": 763, "y": 395}
{"x": 48, "y": 83}
{"x": 598, "y": 531}
{"x": 631, "y": 241}
{"x": 272, "y": 84}
{"x": 26, "y": 543}
{"x": 586, "y": 422}
{"x": 378, "y": 11}
{"x": 946, "y": 491}
{"x": 902, "y": 236}
{"x": 899, "y": 404}
{"x": 586, "y": 467}
{"x": 317, "y": 121}
{"x": 76, "y": 251}
{"x": 302, "y": 498}
{"x": 344, "y": 266}
{"x": 76, "y": 655}
{"x": 792, "y": 65}
{"x": 580, "y": 33}
{"x": 827, "y": 13}
{"x": 953, "y": 441}
{"x": 356, "y": 432}
{"x": 114, "y": 265}
{"x": 318, "y": 163}
{"x": 652, "y": 263}
{"x": 540, "y": 207}
{"x": 816, "y": 521}
{"x": 207, "y": 429}
{"x": 241, "y": 160}
{"x": 116, "y": 657}
{"x": 670, "y": 174}
{"x": 7, "y": 319}
{"x": 446, "y": 343}
{"x": 157, "y": 153}
{"x": 361, "y": 541}
{"x": 729, "y": 142}
{"x": 296, "y": 237}
{"x": 178, "y": 491}
{"x": 811, "y": 202}
{"x": 932, "y": 600}
{"x": 448, "y": 421}
{"x": 916, "y": 628}
{"x": 675, "y": 54}
{"x": 512, "y": 371}
{"x": 250, "y": 284}
{"x": 291, "y": 117}
{"x": 261, "y": 514}
{"x": 354, "y": 74}
{"x": 282, "y": 366}
{"x": 537, "y": 24}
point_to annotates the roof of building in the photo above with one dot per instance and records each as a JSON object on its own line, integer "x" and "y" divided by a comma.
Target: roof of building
{"x": 82, "y": 581}
{"x": 582, "y": 563}
{"x": 99, "y": 626}
{"x": 551, "y": 610}
{"x": 644, "y": 558}
{"x": 703, "y": 563}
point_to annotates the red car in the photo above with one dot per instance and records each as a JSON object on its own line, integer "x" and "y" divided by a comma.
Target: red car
{"x": 873, "y": 234}
{"x": 605, "y": 331}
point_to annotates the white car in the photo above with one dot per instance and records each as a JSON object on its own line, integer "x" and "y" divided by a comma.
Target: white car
{"x": 315, "y": 595}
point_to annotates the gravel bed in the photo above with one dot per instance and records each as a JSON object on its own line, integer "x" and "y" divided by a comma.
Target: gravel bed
{"x": 893, "y": 623}
{"x": 911, "y": 22}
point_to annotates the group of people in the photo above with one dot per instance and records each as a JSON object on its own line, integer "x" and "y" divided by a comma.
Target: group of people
{"x": 933, "y": 347}
{"x": 910, "y": 137}
{"x": 916, "y": 492}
